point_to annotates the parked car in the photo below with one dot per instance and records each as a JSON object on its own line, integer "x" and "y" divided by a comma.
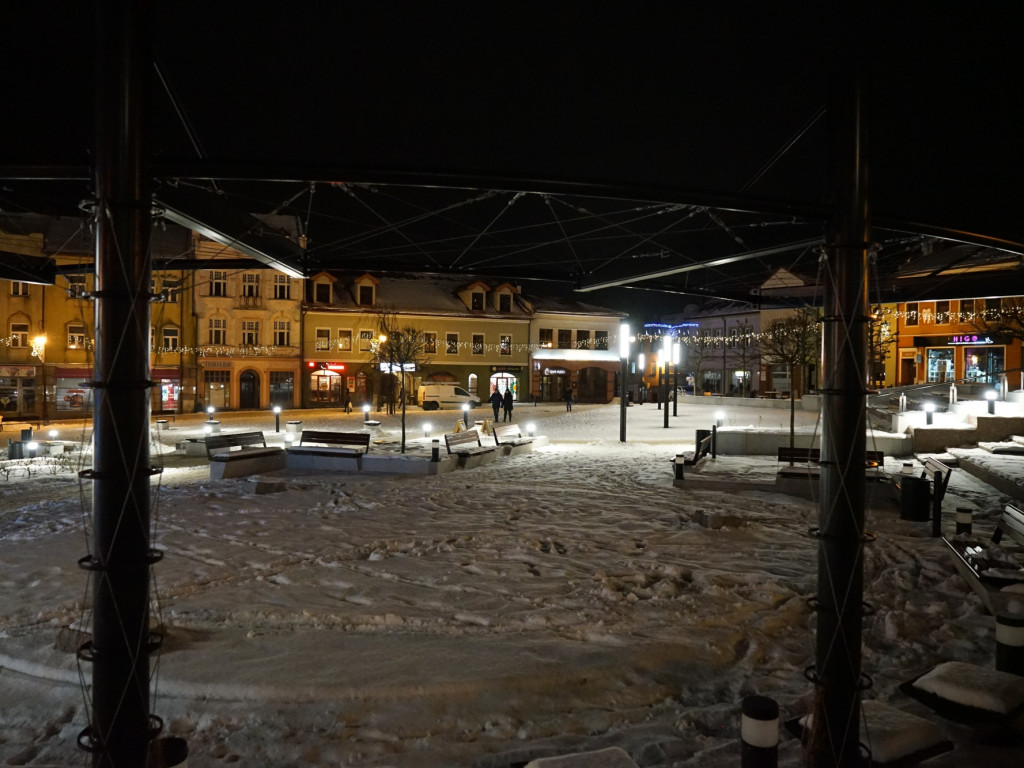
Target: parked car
{"x": 430, "y": 397}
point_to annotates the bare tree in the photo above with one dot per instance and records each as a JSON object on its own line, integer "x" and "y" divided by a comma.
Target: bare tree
{"x": 400, "y": 348}
{"x": 745, "y": 352}
{"x": 698, "y": 350}
{"x": 793, "y": 341}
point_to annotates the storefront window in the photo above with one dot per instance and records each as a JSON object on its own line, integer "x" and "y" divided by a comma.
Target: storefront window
{"x": 940, "y": 365}
{"x": 72, "y": 394}
{"x": 282, "y": 383}
{"x": 216, "y": 391}
{"x": 983, "y": 364}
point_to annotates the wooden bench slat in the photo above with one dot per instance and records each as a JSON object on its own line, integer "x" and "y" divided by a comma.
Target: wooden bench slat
{"x": 987, "y": 573}
{"x": 349, "y": 442}
{"x": 223, "y": 443}
{"x": 509, "y": 434}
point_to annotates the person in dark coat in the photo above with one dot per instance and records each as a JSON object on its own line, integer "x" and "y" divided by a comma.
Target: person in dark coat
{"x": 496, "y": 402}
{"x": 507, "y": 402}
{"x": 568, "y": 398}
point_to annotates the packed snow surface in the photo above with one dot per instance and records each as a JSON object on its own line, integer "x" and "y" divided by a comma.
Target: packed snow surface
{"x": 567, "y": 599}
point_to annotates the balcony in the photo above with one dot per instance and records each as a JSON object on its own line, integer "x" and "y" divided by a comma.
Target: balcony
{"x": 248, "y": 302}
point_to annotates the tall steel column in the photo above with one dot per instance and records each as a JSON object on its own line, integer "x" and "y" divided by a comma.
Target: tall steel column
{"x": 120, "y": 562}
{"x": 836, "y": 740}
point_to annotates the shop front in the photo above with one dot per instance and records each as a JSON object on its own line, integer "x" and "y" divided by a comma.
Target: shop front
{"x": 72, "y": 394}
{"x": 973, "y": 358}
{"x": 588, "y": 373}
{"x": 505, "y": 377}
{"x": 18, "y": 390}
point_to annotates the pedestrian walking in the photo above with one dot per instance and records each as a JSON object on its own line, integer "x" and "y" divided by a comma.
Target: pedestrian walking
{"x": 568, "y": 399}
{"x": 496, "y": 402}
{"x": 507, "y": 403}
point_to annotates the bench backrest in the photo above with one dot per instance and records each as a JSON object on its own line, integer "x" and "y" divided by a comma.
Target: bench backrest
{"x": 1011, "y": 523}
{"x": 939, "y": 474}
{"x": 470, "y": 436}
{"x": 358, "y": 439}
{"x": 506, "y": 430}
{"x": 798, "y": 454}
{"x": 217, "y": 443}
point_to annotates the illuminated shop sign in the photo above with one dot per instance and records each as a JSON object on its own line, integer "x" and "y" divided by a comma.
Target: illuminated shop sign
{"x": 554, "y": 371}
{"x": 392, "y": 367}
{"x": 970, "y": 338}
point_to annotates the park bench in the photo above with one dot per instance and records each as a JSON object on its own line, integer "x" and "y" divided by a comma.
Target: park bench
{"x": 509, "y": 439}
{"x": 467, "y": 446}
{"x": 321, "y": 449}
{"x": 914, "y": 503}
{"x": 236, "y": 454}
{"x": 704, "y": 446}
{"x": 986, "y": 566}
{"x": 809, "y": 460}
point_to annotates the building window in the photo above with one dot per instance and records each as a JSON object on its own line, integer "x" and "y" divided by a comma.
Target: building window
{"x": 323, "y": 339}
{"x": 992, "y": 309}
{"x": 545, "y": 338}
{"x": 169, "y": 290}
{"x": 19, "y": 288}
{"x": 734, "y": 338}
{"x": 505, "y": 302}
{"x": 718, "y": 338}
{"x": 476, "y": 301}
{"x": 282, "y": 333}
{"x": 430, "y": 342}
{"x": 344, "y": 341}
{"x": 600, "y": 339}
{"x": 322, "y": 293}
{"x": 218, "y": 282}
{"x": 19, "y": 334}
{"x": 76, "y": 336}
{"x": 478, "y": 343}
{"x": 216, "y": 388}
{"x": 941, "y": 312}
{"x": 365, "y": 341}
{"x": 564, "y": 338}
{"x": 451, "y": 343}
{"x": 76, "y": 286}
{"x": 966, "y": 309}
{"x": 218, "y": 331}
{"x": 912, "y": 313}
{"x": 170, "y": 338}
{"x": 250, "y": 284}
{"x": 250, "y": 333}
{"x": 366, "y": 295}
{"x": 582, "y": 339}
{"x": 282, "y": 287}
{"x": 282, "y": 385}
{"x": 504, "y": 345}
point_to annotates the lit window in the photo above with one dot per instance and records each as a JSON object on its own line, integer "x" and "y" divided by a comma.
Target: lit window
{"x": 19, "y": 334}
{"x": 365, "y": 341}
{"x": 478, "y": 343}
{"x": 171, "y": 336}
{"x": 345, "y": 340}
{"x": 912, "y": 313}
{"x": 282, "y": 333}
{"x": 76, "y": 286}
{"x": 250, "y": 333}
{"x": 76, "y": 337}
{"x": 282, "y": 287}
{"x": 451, "y": 344}
{"x": 546, "y": 338}
{"x": 505, "y": 345}
{"x": 430, "y": 342}
{"x": 323, "y": 339}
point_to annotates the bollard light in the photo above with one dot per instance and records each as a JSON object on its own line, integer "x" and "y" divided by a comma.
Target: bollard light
{"x": 32, "y": 445}
{"x": 426, "y": 429}
{"x": 465, "y": 414}
{"x": 207, "y": 429}
{"x": 210, "y": 411}
{"x": 719, "y": 418}
{"x": 929, "y": 410}
{"x": 435, "y": 450}
{"x": 991, "y": 397}
{"x": 52, "y": 433}
{"x": 366, "y": 412}
{"x": 289, "y": 437}
{"x": 277, "y": 418}
{"x": 530, "y": 428}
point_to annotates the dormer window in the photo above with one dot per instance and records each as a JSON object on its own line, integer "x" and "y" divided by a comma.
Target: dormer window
{"x": 322, "y": 293}
{"x": 477, "y": 301}
{"x": 505, "y": 302}
{"x": 366, "y": 295}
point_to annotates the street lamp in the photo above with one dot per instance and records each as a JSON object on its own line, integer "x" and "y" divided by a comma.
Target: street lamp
{"x": 666, "y": 358}
{"x": 39, "y": 350}
{"x": 624, "y": 357}
{"x": 676, "y": 352}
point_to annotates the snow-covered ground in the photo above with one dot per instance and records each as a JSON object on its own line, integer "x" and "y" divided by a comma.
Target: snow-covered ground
{"x": 562, "y": 600}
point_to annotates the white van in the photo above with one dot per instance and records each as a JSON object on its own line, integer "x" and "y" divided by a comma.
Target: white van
{"x": 430, "y": 397}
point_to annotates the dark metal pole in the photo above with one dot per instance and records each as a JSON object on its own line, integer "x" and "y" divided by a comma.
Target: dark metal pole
{"x": 836, "y": 742}
{"x": 120, "y": 730}
{"x": 664, "y": 392}
{"x": 622, "y": 400}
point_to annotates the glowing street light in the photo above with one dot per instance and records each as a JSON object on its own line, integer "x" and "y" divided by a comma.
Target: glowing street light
{"x": 277, "y": 418}
{"x": 991, "y": 397}
{"x": 929, "y": 412}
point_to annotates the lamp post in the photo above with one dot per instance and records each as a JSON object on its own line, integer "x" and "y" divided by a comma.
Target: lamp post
{"x": 366, "y": 413}
{"x": 39, "y": 350}
{"x": 666, "y": 356}
{"x": 676, "y": 351}
{"x": 624, "y": 357}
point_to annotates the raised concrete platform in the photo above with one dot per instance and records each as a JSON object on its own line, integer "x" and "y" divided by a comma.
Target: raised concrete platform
{"x": 735, "y": 441}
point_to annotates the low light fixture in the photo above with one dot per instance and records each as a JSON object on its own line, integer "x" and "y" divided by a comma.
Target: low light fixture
{"x": 719, "y": 418}
{"x": 530, "y": 428}
{"x": 52, "y": 433}
{"x": 426, "y": 429}
{"x": 991, "y": 397}
{"x": 929, "y": 412}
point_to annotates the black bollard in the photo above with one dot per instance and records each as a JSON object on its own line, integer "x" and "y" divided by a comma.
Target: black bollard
{"x": 964, "y": 520}
{"x": 435, "y": 450}
{"x": 759, "y": 733}
{"x": 1010, "y": 644}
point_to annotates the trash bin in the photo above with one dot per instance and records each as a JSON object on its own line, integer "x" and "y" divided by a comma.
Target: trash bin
{"x": 914, "y": 493}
